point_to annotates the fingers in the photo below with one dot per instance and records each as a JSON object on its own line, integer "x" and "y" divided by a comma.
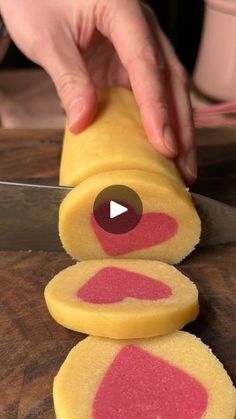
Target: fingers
{"x": 75, "y": 88}
{"x": 186, "y": 160}
{"x": 124, "y": 24}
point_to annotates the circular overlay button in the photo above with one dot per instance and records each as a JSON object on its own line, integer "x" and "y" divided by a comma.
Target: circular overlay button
{"x": 117, "y": 209}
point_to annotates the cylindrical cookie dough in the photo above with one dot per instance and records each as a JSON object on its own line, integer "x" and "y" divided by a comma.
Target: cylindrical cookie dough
{"x": 115, "y": 140}
{"x": 114, "y": 150}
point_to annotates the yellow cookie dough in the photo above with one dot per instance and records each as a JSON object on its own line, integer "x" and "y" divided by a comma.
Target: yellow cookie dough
{"x": 116, "y": 140}
{"x": 108, "y": 379}
{"x": 122, "y": 298}
{"x": 83, "y": 239}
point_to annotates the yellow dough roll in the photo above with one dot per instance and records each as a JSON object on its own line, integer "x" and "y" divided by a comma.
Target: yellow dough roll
{"x": 114, "y": 141}
{"x": 174, "y": 376}
{"x": 168, "y": 230}
{"x": 122, "y": 299}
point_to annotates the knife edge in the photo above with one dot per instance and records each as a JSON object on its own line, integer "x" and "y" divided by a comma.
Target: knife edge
{"x": 29, "y": 217}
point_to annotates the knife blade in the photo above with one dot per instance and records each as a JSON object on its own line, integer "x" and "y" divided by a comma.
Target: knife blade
{"x": 29, "y": 217}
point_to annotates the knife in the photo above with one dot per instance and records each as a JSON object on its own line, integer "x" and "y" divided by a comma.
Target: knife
{"x": 29, "y": 217}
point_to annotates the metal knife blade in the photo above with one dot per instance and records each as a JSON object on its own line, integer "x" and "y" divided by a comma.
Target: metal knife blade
{"x": 218, "y": 221}
{"x": 29, "y": 217}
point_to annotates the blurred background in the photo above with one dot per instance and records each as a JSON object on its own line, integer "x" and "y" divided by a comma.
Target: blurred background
{"x": 180, "y": 19}
{"x": 203, "y": 34}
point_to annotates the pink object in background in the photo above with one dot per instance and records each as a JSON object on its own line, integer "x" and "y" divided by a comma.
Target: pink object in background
{"x": 215, "y": 71}
{"x": 213, "y": 116}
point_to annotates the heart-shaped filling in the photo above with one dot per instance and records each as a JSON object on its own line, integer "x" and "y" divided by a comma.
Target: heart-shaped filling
{"x": 152, "y": 229}
{"x": 111, "y": 285}
{"x": 139, "y": 385}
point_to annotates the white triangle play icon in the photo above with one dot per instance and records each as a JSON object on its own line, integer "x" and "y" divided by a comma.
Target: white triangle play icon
{"x": 116, "y": 209}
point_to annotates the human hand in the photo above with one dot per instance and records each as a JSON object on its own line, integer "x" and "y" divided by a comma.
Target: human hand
{"x": 86, "y": 43}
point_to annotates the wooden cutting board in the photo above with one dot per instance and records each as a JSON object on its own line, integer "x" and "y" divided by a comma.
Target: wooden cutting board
{"x": 32, "y": 345}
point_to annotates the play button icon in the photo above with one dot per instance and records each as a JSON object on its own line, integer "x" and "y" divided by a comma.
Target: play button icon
{"x": 117, "y": 209}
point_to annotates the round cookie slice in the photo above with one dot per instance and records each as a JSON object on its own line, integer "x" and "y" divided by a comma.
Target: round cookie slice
{"x": 168, "y": 230}
{"x": 174, "y": 376}
{"x": 122, "y": 299}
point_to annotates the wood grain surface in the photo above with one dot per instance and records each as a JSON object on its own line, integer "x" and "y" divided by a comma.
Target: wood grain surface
{"x": 32, "y": 345}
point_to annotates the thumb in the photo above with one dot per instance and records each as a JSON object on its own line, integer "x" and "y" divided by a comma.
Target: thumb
{"x": 75, "y": 88}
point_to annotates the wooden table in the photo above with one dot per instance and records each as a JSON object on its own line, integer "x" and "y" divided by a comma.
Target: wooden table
{"x": 32, "y": 345}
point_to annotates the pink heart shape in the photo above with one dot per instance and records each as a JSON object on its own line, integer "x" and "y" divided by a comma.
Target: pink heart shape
{"x": 152, "y": 229}
{"x": 139, "y": 385}
{"x": 111, "y": 285}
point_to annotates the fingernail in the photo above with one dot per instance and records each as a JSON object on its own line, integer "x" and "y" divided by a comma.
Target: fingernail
{"x": 74, "y": 112}
{"x": 191, "y": 164}
{"x": 169, "y": 139}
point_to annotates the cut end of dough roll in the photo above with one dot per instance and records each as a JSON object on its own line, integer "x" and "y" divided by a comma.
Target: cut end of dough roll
{"x": 168, "y": 230}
